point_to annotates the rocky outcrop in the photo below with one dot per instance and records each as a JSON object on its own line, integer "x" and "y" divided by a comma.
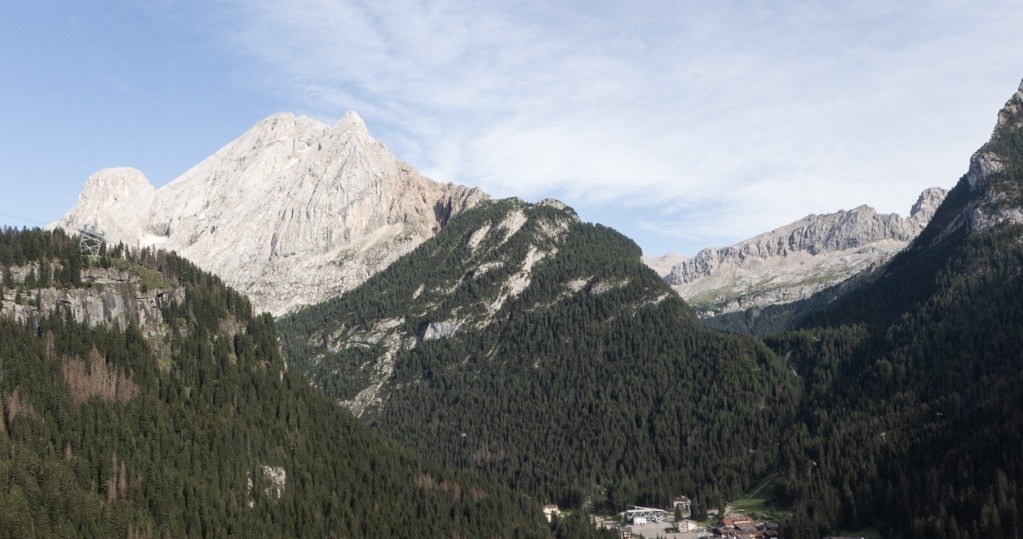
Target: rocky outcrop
{"x": 797, "y": 260}
{"x": 995, "y": 193}
{"x": 291, "y": 213}
{"x": 112, "y": 297}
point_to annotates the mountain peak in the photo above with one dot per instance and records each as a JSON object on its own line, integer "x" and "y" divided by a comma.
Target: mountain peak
{"x": 115, "y": 201}
{"x": 1011, "y": 114}
{"x": 291, "y": 212}
{"x": 280, "y": 119}
{"x": 993, "y": 181}
{"x": 127, "y": 180}
{"x": 352, "y": 120}
{"x": 927, "y": 204}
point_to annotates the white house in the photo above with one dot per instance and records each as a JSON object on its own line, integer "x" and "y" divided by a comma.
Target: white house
{"x": 685, "y": 525}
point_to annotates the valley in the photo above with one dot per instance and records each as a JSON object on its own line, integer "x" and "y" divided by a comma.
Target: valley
{"x": 387, "y": 352}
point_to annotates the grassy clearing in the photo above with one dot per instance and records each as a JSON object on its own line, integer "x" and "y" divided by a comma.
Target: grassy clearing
{"x": 149, "y": 279}
{"x": 759, "y": 501}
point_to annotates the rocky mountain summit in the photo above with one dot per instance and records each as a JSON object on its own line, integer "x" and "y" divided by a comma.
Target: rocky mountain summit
{"x": 995, "y": 194}
{"x": 795, "y": 261}
{"x": 291, "y": 213}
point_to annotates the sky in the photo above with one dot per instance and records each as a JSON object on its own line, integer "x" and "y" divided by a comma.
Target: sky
{"x": 681, "y": 124}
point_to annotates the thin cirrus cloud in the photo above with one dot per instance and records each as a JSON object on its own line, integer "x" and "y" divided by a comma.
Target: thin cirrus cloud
{"x": 681, "y": 123}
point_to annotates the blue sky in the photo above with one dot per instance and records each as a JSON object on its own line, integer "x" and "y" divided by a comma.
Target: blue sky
{"x": 681, "y": 124}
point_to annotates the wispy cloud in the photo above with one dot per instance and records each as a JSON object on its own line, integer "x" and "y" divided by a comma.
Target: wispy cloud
{"x": 701, "y": 121}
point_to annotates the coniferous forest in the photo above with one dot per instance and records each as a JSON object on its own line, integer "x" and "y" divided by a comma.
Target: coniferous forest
{"x": 911, "y": 407}
{"x": 195, "y": 426}
{"x": 610, "y": 394}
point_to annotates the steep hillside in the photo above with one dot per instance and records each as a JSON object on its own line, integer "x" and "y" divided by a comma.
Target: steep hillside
{"x": 291, "y": 213}
{"x": 913, "y": 381}
{"x": 791, "y": 263}
{"x": 140, "y": 397}
{"x": 541, "y": 351}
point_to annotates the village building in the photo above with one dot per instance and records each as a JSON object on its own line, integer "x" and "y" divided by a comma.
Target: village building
{"x": 682, "y": 503}
{"x": 686, "y": 525}
{"x": 746, "y": 528}
{"x": 645, "y": 515}
{"x": 735, "y": 520}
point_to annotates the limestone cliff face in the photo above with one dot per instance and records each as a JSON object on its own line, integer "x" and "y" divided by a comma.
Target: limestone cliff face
{"x": 797, "y": 260}
{"x": 113, "y": 297}
{"x": 291, "y": 213}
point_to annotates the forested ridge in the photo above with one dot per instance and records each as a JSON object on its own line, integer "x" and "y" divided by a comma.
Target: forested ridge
{"x": 594, "y": 384}
{"x": 916, "y": 425}
{"x": 197, "y": 428}
{"x": 911, "y": 416}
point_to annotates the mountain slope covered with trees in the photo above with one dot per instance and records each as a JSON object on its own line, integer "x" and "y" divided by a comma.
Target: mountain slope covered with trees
{"x": 540, "y": 351}
{"x": 911, "y": 415}
{"x": 193, "y": 425}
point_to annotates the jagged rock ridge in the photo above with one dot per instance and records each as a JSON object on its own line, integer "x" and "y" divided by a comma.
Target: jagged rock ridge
{"x": 995, "y": 196}
{"x": 797, "y": 260}
{"x": 291, "y": 213}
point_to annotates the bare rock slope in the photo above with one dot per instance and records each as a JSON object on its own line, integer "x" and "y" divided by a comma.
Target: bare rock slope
{"x": 291, "y": 213}
{"x": 797, "y": 260}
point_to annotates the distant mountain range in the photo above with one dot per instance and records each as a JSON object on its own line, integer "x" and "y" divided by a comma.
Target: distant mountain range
{"x": 295, "y": 212}
{"x": 793, "y": 262}
{"x": 291, "y": 213}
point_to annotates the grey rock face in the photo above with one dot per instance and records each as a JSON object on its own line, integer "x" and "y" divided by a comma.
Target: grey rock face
{"x": 994, "y": 192}
{"x": 792, "y": 262}
{"x": 114, "y": 297}
{"x": 440, "y": 330}
{"x": 291, "y": 213}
